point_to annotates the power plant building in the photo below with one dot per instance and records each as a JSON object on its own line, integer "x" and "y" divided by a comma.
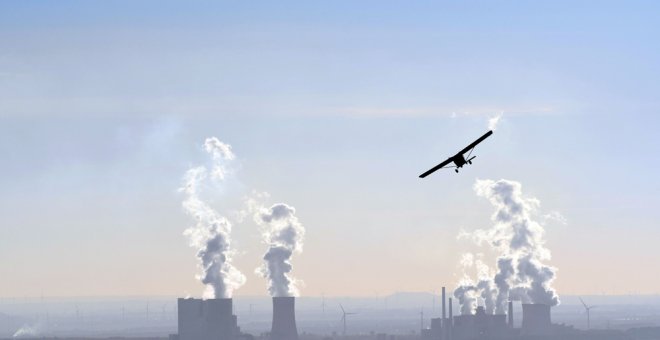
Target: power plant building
{"x": 536, "y": 323}
{"x": 536, "y": 319}
{"x": 211, "y": 319}
{"x": 479, "y": 325}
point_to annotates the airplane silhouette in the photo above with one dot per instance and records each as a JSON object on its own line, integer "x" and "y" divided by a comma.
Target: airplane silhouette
{"x": 458, "y": 159}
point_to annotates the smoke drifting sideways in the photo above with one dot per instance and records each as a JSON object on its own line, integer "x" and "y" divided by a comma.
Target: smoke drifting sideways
{"x": 211, "y": 233}
{"x": 283, "y": 234}
{"x": 520, "y": 274}
{"x": 28, "y": 331}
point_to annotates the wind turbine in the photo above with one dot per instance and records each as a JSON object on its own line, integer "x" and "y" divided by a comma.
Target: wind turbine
{"x": 343, "y": 317}
{"x": 323, "y": 304}
{"x": 164, "y": 315}
{"x": 421, "y": 319}
{"x": 587, "y": 308}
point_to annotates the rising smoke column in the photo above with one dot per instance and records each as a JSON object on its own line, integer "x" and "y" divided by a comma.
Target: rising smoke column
{"x": 210, "y": 234}
{"x": 519, "y": 240}
{"x": 468, "y": 292}
{"x": 283, "y": 234}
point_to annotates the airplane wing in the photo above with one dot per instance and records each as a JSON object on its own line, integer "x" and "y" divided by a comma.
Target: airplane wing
{"x": 471, "y": 146}
{"x": 435, "y": 168}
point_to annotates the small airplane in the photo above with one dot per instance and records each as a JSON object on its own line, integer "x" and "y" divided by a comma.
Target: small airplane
{"x": 458, "y": 159}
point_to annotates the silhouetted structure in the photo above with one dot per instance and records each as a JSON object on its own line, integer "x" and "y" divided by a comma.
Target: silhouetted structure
{"x": 445, "y": 330}
{"x": 458, "y": 159}
{"x": 444, "y": 309}
{"x": 510, "y": 315}
{"x": 284, "y": 319}
{"x": 450, "y": 323}
{"x": 206, "y": 319}
{"x": 479, "y": 325}
{"x": 435, "y": 332}
{"x": 536, "y": 319}
{"x": 441, "y": 328}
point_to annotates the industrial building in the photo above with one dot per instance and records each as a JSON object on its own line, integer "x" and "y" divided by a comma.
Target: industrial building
{"x": 536, "y": 323}
{"x": 211, "y": 319}
{"x": 480, "y": 325}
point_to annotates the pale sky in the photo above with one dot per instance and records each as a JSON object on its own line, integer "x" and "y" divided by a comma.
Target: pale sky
{"x": 334, "y": 108}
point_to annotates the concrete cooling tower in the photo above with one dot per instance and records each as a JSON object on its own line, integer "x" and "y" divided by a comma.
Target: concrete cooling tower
{"x": 206, "y": 319}
{"x": 284, "y": 319}
{"x": 536, "y": 319}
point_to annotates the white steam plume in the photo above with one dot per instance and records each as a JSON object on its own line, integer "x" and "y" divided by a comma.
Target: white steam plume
{"x": 494, "y": 121}
{"x": 283, "y": 234}
{"x": 210, "y": 234}
{"x": 485, "y": 286}
{"x": 28, "y": 331}
{"x": 519, "y": 240}
{"x": 468, "y": 293}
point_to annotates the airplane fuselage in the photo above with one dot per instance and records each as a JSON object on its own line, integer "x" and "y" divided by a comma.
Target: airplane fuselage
{"x": 459, "y": 160}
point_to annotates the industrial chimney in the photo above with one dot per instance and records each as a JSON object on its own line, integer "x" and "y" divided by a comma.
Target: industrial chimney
{"x": 450, "y": 325}
{"x": 444, "y": 316}
{"x": 445, "y": 329}
{"x": 510, "y": 315}
{"x": 284, "y": 319}
{"x": 536, "y": 319}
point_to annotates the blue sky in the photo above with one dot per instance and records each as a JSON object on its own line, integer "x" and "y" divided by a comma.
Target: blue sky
{"x": 334, "y": 108}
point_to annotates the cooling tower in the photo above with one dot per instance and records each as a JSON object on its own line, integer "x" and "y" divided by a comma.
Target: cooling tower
{"x": 219, "y": 319}
{"x": 190, "y": 322}
{"x": 510, "y": 315}
{"x": 206, "y": 319}
{"x": 284, "y": 319}
{"x": 536, "y": 319}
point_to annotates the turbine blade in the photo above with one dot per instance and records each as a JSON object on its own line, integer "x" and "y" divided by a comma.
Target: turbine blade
{"x": 584, "y": 304}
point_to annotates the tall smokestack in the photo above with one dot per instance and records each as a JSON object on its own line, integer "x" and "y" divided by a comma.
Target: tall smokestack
{"x": 284, "y": 319}
{"x": 450, "y": 324}
{"x": 444, "y": 316}
{"x": 510, "y": 314}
